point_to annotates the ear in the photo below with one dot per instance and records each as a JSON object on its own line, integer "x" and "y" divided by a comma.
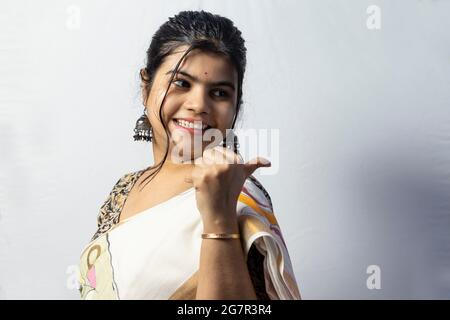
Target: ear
{"x": 144, "y": 85}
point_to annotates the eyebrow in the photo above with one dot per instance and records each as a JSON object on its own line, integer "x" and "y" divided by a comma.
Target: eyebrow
{"x": 218, "y": 83}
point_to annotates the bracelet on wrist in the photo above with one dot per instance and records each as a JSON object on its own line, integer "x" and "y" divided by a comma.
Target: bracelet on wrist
{"x": 221, "y": 236}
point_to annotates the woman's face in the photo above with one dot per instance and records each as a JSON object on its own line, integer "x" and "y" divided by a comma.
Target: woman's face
{"x": 203, "y": 93}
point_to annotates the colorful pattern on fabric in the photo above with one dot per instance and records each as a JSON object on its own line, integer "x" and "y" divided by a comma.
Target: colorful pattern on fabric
{"x": 111, "y": 208}
{"x": 268, "y": 260}
{"x": 259, "y": 227}
{"x": 98, "y": 282}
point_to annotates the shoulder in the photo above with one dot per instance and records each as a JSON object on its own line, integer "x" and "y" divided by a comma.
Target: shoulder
{"x": 254, "y": 201}
{"x": 126, "y": 179}
{"x": 254, "y": 192}
{"x": 110, "y": 209}
{"x": 121, "y": 188}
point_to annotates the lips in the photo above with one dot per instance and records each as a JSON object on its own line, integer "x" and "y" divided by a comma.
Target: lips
{"x": 191, "y": 124}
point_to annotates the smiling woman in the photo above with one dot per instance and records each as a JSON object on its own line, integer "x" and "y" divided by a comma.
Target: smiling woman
{"x": 202, "y": 227}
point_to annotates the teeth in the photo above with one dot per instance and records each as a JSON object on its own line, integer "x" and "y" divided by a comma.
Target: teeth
{"x": 188, "y": 124}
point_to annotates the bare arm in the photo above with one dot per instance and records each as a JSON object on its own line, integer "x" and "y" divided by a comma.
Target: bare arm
{"x": 223, "y": 272}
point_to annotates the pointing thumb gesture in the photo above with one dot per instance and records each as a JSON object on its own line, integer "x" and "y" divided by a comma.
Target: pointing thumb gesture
{"x": 255, "y": 163}
{"x": 218, "y": 178}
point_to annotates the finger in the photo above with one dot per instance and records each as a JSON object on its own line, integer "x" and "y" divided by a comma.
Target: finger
{"x": 214, "y": 156}
{"x": 240, "y": 159}
{"x": 254, "y": 164}
{"x": 199, "y": 161}
{"x": 229, "y": 156}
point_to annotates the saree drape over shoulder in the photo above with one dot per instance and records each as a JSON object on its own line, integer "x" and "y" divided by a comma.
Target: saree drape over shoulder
{"x": 155, "y": 253}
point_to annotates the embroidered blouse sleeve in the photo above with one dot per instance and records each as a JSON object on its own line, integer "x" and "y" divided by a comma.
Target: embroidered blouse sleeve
{"x": 110, "y": 209}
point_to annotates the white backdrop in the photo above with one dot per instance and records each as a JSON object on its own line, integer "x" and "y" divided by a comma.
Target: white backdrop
{"x": 363, "y": 114}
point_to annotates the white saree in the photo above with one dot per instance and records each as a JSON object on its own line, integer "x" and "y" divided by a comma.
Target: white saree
{"x": 155, "y": 253}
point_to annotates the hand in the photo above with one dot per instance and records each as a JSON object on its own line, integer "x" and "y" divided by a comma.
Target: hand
{"x": 218, "y": 177}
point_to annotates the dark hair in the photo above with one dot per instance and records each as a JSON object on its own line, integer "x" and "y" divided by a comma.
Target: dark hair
{"x": 199, "y": 30}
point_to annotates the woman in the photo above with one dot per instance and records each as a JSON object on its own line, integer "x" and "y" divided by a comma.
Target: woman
{"x": 201, "y": 227}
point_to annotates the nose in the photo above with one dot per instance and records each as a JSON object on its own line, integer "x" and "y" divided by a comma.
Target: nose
{"x": 198, "y": 101}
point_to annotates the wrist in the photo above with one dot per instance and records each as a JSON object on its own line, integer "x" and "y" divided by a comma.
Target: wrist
{"x": 220, "y": 225}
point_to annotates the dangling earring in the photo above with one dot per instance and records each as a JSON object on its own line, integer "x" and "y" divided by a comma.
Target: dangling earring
{"x": 234, "y": 145}
{"x": 143, "y": 130}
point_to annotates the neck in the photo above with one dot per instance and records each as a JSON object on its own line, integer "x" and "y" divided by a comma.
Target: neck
{"x": 169, "y": 165}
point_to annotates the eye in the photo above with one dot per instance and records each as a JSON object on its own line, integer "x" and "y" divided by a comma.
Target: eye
{"x": 180, "y": 82}
{"x": 222, "y": 93}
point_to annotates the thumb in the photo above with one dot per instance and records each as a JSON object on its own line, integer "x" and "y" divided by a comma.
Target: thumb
{"x": 254, "y": 164}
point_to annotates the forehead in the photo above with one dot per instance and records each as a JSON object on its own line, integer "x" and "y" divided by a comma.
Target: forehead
{"x": 203, "y": 64}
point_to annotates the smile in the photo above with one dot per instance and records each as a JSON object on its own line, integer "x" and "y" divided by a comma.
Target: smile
{"x": 191, "y": 126}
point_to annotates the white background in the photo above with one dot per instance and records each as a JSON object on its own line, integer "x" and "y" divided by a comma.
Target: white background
{"x": 364, "y": 128}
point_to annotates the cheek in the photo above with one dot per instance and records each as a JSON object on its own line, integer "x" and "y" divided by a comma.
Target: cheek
{"x": 157, "y": 93}
{"x": 226, "y": 117}
{"x": 169, "y": 107}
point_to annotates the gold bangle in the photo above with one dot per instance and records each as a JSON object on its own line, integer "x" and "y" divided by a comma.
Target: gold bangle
{"x": 221, "y": 236}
